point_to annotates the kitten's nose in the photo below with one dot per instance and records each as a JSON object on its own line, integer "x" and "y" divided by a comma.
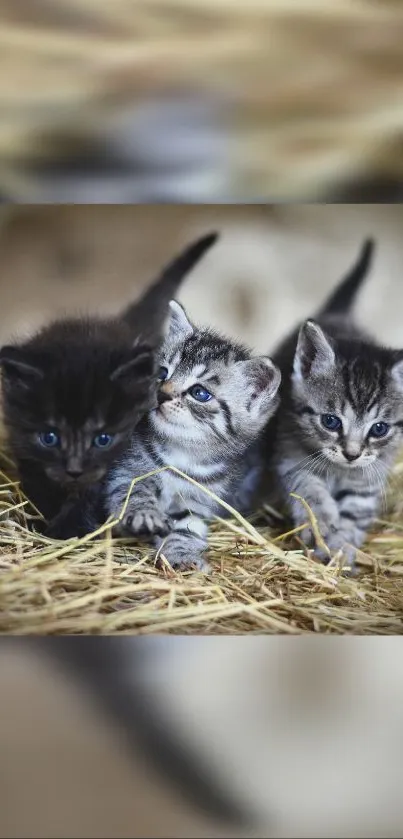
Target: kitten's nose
{"x": 163, "y": 397}
{"x": 74, "y": 473}
{"x": 350, "y": 457}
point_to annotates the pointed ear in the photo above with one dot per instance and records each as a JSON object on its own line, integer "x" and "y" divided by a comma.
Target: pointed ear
{"x": 178, "y": 326}
{"x": 17, "y": 368}
{"x": 397, "y": 373}
{"x": 137, "y": 369}
{"x": 314, "y": 355}
{"x": 263, "y": 380}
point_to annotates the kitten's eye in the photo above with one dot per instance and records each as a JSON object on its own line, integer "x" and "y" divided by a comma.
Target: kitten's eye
{"x": 379, "y": 429}
{"x": 49, "y": 439}
{"x": 200, "y": 393}
{"x": 102, "y": 441}
{"x": 163, "y": 374}
{"x": 331, "y": 422}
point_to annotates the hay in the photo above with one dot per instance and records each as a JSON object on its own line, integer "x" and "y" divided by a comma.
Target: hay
{"x": 315, "y": 89}
{"x": 261, "y": 582}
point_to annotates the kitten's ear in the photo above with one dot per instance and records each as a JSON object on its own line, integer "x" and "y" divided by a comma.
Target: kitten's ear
{"x": 17, "y": 369}
{"x": 178, "y": 326}
{"x": 136, "y": 370}
{"x": 314, "y": 355}
{"x": 397, "y": 373}
{"x": 263, "y": 382}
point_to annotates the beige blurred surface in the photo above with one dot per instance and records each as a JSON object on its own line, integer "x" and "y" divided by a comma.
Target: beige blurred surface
{"x": 308, "y": 731}
{"x": 272, "y": 266}
{"x": 311, "y": 91}
{"x": 64, "y": 773}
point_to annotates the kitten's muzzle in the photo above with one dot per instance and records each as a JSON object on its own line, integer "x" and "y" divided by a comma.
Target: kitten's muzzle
{"x": 83, "y": 478}
{"x": 74, "y": 474}
{"x": 350, "y": 457}
{"x": 163, "y": 397}
{"x": 73, "y": 478}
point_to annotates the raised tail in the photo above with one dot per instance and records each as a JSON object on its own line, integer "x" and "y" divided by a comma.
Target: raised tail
{"x": 147, "y": 316}
{"x": 341, "y": 300}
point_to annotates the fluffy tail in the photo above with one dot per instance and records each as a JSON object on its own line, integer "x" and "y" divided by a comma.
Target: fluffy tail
{"x": 341, "y": 300}
{"x": 147, "y": 316}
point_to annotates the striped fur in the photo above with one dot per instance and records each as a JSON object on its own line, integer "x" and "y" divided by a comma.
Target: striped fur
{"x": 341, "y": 473}
{"x": 330, "y": 367}
{"x": 215, "y": 443}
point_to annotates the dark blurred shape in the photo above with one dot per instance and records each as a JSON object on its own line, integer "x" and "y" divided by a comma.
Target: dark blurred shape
{"x": 152, "y": 100}
{"x": 387, "y": 191}
{"x": 111, "y": 669}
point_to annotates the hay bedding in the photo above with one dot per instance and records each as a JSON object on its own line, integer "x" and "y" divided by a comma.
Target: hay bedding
{"x": 261, "y": 582}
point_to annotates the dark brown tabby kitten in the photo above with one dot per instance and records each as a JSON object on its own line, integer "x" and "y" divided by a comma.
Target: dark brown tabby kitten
{"x": 75, "y": 391}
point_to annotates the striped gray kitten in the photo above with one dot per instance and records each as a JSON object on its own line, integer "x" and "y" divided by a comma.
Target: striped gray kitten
{"x": 214, "y": 401}
{"x": 340, "y": 425}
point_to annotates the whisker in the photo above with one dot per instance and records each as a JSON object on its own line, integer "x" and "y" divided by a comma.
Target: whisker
{"x": 309, "y": 468}
{"x": 308, "y": 457}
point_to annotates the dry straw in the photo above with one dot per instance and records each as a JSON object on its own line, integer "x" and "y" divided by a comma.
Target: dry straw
{"x": 261, "y": 582}
{"x": 315, "y": 86}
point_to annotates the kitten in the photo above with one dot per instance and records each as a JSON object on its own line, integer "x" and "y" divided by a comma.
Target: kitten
{"x": 340, "y": 424}
{"x": 74, "y": 392}
{"x": 214, "y": 402}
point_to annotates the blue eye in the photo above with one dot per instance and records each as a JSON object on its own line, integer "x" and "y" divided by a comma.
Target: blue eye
{"x": 49, "y": 439}
{"x": 331, "y": 422}
{"x": 379, "y": 429}
{"x": 200, "y": 393}
{"x": 163, "y": 374}
{"x": 102, "y": 441}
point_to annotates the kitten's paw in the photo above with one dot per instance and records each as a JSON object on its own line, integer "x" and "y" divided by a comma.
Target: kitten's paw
{"x": 185, "y": 561}
{"x": 59, "y": 530}
{"x": 307, "y": 537}
{"x": 347, "y": 554}
{"x": 191, "y": 563}
{"x": 144, "y": 523}
{"x": 328, "y": 532}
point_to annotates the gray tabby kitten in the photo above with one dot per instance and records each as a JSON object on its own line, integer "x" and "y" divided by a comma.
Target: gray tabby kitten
{"x": 214, "y": 401}
{"x": 340, "y": 425}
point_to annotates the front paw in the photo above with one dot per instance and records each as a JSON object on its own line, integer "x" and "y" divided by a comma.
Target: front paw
{"x": 328, "y": 532}
{"x": 61, "y": 530}
{"x": 342, "y": 544}
{"x": 182, "y": 560}
{"x": 144, "y": 523}
{"x": 191, "y": 562}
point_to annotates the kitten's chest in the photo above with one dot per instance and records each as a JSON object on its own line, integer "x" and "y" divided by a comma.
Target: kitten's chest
{"x": 340, "y": 481}
{"x": 179, "y": 494}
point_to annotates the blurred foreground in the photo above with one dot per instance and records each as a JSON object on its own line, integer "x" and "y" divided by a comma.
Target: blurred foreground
{"x": 304, "y": 735}
{"x": 195, "y": 100}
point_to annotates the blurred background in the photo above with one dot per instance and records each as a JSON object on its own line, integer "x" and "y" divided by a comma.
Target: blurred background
{"x": 272, "y": 266}
{"x": 306, "y": 735}
{"x": 201, "y": 100}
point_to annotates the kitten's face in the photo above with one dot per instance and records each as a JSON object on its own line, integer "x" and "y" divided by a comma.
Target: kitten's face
{"x": 349, "y": 405}
{"x": 212, "y": 393}
{"x": 72, "y": 401}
